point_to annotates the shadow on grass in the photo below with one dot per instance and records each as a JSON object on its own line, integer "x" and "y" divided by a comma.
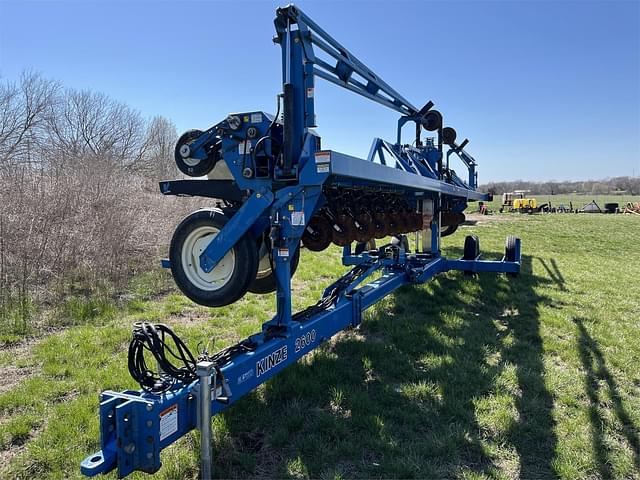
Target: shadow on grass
{"x": 399, "y": 396}
{"x": 597, "y": 372}
{"x": 554, "y": 273}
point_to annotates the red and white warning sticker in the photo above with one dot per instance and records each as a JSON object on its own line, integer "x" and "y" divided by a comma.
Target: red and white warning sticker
{"x": 323, "y": 157}
{"x": 168, "y": 422}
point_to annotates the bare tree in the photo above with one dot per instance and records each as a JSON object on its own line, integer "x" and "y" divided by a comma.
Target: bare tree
{"x": 22, "y": 115}
{"x": 78, "y": 193}
{"x": 158, "y": 158}
{"x": 92, "y": 125}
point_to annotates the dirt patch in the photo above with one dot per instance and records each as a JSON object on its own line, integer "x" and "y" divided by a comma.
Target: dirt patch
{"x": 12, "y": 374}
{"x": 7, "y": 455}
{"x": 188, "y": 317}
{"x": 478, "y": 219}
{"x": 15, "y": 449}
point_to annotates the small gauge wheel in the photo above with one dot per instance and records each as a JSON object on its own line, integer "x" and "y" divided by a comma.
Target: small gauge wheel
{"x": 448, "y": 136}
{"x": 187, "y": 164}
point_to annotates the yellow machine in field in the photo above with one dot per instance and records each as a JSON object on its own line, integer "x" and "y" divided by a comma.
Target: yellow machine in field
{"x": 525, "y": 204}
{"x": 516, "y": 202}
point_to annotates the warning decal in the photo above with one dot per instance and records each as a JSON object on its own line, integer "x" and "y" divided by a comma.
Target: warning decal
{"x": 323, "y": 157}
{"x": 244, "y": 148}
{"x": 168, "y": 422}
{"x": 297, "y": 218}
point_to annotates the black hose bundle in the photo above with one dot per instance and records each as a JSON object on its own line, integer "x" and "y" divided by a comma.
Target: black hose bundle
{"x": 332, "y": 295}
{"x": 163, "y": 344}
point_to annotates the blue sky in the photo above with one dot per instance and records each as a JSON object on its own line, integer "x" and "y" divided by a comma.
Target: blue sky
{"x": 544, "y": 90}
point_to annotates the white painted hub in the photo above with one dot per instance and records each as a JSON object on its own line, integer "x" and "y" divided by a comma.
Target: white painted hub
{"x": 192, "y": 162}
{"x": 193, "y": 246}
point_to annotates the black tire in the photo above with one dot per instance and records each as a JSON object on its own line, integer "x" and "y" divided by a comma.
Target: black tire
{"x": 448, "y": 136}
{"x": 243, "y": 269}
{"x": 267, "y": 283}
{"x": 510, "y": 253}
{"x": 471, "y": 247}
{"x": 448, "y": 230}
{"x": 200, "y": 168}
{"x": 365, "y": 246}
{"x": 611, "y": 207}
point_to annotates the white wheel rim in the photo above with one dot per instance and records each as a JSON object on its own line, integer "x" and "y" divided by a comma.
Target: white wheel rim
{"x": 192, "y": 162}
{"x": 264, "y": 267}
{"x": 195, "y": 243}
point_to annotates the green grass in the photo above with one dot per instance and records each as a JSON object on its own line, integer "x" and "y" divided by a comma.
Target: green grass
{"x": 463, "y": 377}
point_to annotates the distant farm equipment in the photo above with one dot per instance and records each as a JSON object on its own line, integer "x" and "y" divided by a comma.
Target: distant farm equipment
{"x": 632, "y": 208}
{"x": 593, "y": 207}
{"x": 509, "y": 197}
{"x": 517, "y": 202}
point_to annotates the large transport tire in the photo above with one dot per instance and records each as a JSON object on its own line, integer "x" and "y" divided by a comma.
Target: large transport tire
{"x": 265, "y": 281}
{"x": 471, "y": 247}
{"x": 230, "y": 278}
{"x": 510, "y": 252}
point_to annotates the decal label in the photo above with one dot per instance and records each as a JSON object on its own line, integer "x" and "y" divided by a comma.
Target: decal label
{"x": 245, "y": 376}
{"x": 283, "y": 252}
{"x": 310, "y": 92}
{"x": 270, "y": 361}
{"x": 168, "y": 422}
{"x": 256, "y": 118}
{"x": 297, "y": 218}
{"x": 244, "y": 148}
{"x": 305, "y": 340}
{"x": 323, "y": 168}
{"x": 323, "y": 157}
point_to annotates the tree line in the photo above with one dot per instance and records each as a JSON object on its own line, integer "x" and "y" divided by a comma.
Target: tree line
{"x": 608, "y": 186}
{"x": 79, "y": 202}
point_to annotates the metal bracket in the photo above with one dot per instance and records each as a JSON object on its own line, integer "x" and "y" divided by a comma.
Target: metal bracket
{"x": 237, "y": 226}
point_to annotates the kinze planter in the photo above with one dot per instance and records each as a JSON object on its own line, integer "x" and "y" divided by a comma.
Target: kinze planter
{"x": 278, "y": 189}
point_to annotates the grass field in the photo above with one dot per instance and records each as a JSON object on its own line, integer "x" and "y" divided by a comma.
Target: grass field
{"x": 464, "y": 377}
